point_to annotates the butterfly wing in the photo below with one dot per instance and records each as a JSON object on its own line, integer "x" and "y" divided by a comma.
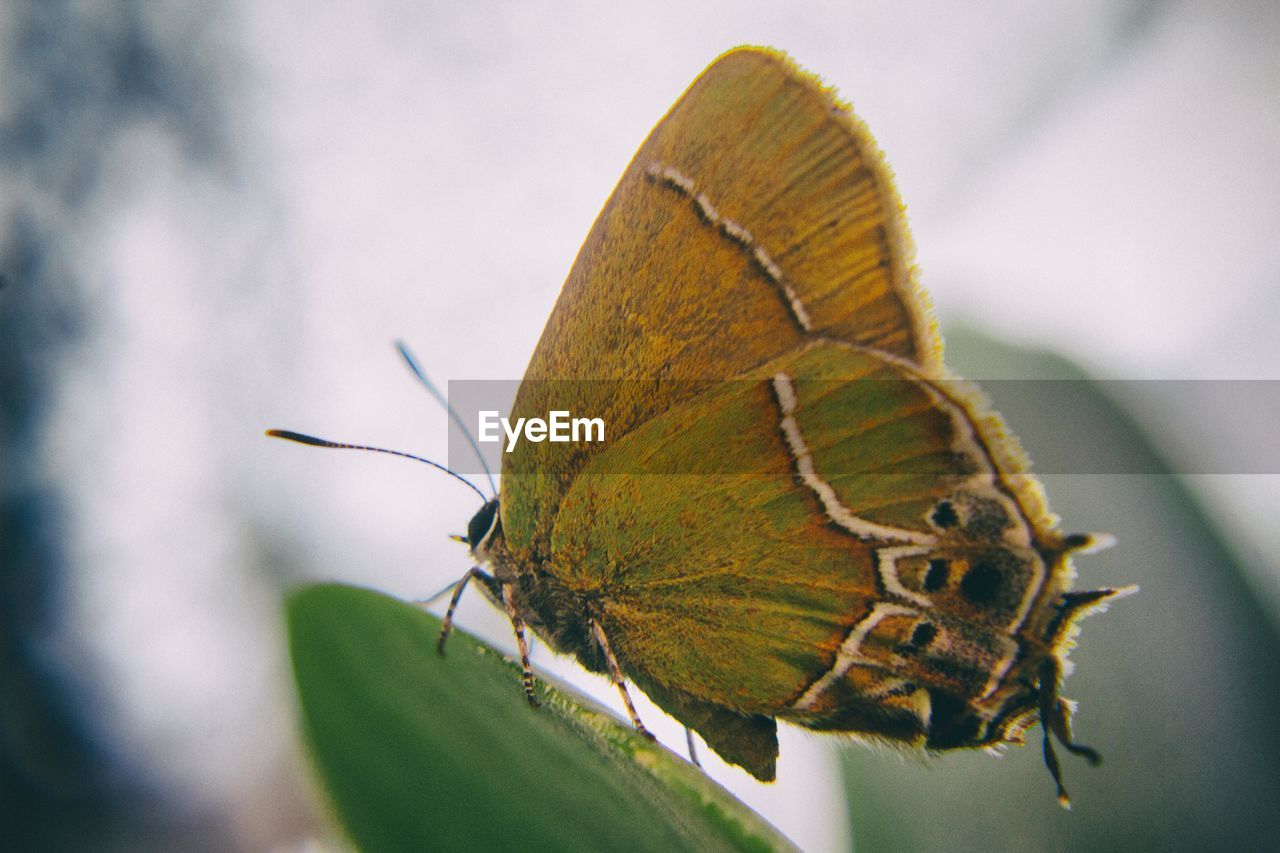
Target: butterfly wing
{"x": 894, "y": 563}
{"x": 758, "y": 214}
{"x": 901, "y": 577}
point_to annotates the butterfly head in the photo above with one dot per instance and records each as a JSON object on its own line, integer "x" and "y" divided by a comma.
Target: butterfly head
{"x": 483, "y": 529}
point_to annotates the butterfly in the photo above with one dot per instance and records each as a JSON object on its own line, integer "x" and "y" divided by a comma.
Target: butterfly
{"x": 799, "y": 515}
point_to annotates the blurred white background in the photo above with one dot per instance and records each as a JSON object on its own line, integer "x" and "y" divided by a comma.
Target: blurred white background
{"x": 244, "y": 204}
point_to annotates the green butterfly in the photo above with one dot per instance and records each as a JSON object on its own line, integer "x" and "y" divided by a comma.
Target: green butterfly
{"x": 798, "y": 515}
{"x": 757, "y": 236}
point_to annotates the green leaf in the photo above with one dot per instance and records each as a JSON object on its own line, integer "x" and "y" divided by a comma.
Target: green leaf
{"x": 421, "y": 752}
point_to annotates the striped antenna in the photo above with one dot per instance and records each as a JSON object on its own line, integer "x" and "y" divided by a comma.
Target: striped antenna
{"x": 453, "y": 415}
{"x": 302, "y": 438}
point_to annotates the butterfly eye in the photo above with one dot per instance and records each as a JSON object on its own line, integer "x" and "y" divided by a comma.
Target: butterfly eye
{"x": 482, "y": 524}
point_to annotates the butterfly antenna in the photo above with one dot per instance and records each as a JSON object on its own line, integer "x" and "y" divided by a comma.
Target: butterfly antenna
{"x": 320, "y": 442}
{"x": 453, "y": 414}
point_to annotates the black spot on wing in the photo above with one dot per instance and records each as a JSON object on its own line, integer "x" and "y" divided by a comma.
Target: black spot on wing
{"x": 937, "y": 575}
{"x": 944, "y": 515}
{"x": 981, "y": 584}
{"x": 923, "y": 634}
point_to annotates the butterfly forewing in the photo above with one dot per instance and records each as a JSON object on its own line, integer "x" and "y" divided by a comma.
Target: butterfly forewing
{"x": 758, "y": 214}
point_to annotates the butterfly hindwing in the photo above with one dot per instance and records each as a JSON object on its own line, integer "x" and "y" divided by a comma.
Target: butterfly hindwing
{"x": 802, "y": 533}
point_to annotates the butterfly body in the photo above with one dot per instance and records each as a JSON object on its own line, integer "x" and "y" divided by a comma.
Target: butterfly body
{"x": 799, "y": 515}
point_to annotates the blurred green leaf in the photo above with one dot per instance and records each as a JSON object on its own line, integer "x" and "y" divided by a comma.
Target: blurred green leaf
{"x": 1177, "y": 685}
{"x": 420, "y": 752}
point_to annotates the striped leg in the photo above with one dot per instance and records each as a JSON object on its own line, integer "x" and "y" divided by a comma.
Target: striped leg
{"x": 1055, "y": 721}
{"x": 518, "y": 624}
{"x": 458, "y": 587}
{"x": 615, "y": 672}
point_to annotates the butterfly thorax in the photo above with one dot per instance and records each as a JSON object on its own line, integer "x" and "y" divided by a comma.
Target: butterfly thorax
{"x": 557, "y": 615}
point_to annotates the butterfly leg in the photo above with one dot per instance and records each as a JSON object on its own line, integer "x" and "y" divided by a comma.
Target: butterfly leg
{"x": 693, "y": 752}
{"x": 458, "y": 587}
{"x": 615, "y": 673}
{"x": 508, "y": 601}
{"x": 1060, "y": 718}
{"x": 1055, "y": 721}
{"x": 424, "y": 603}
